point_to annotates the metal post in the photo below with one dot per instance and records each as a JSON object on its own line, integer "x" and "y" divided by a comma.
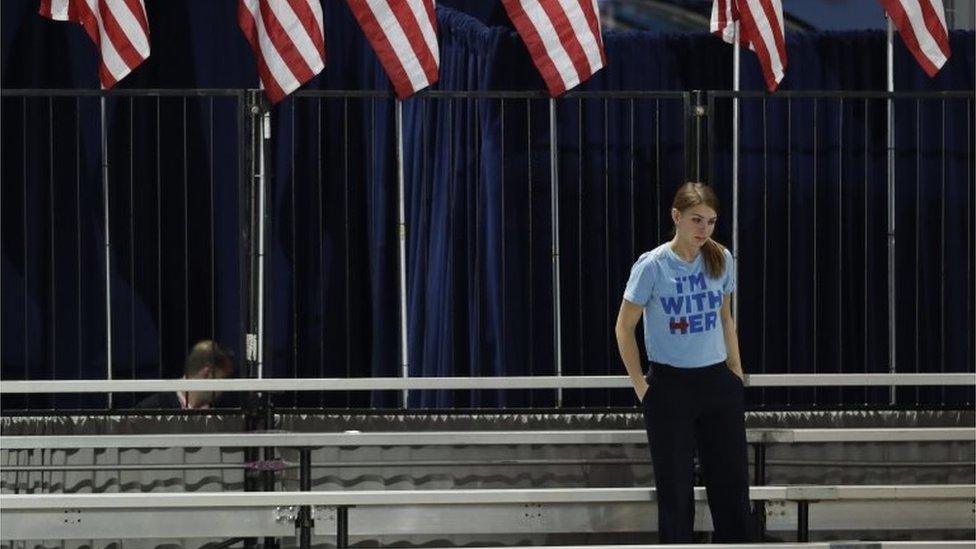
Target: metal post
{"x": 264, "y": 140}
{"x": 735, "y": 168}
{"x": 305, "y": 511}
{"x": 402, "y": 237}
{"x": 698, "y": 112}
{"x": 108, "y": 251}
{"x": 268, "y": 422}
{"x": 759, "y": 479}
{"x": 802, "y": 521}
{"x": 554, "y": 179}
{"x": 891, "y": 210}
{"x": 342, "y": 527}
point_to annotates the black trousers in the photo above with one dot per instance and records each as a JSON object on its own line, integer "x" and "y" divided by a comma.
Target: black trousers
{"x": 698, "y": 408}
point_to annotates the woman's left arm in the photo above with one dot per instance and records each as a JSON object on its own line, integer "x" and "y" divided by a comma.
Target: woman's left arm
{"x": 731, "y": 338}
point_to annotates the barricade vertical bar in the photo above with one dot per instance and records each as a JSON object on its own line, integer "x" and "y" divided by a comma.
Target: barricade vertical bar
{"x": 108, "y": 248}
{"x": 554, "y": 195}
{"x": 186, "y": 237}
{"x": 657, "y": 167}
{"x": 736, "y": 69}
{"x": 631, "y": 162}
{"x": 54, "y": 340}
{"x": 840, "y": 245}
{"x": 321, "y": 241}
{"x": 892, "y": 326}
{"x": 970, "y": 282}
{"x": 789, "y": 241}
{"x": 81, "y": 353}
{"x": 814, "y": 273}
{"x": 213, "y": 241}
{"x": 295, "y": 278}
{"x": 864, "y": 217}
{"x": 159, "y": 235}
{"x": 132, "y": 244}
{"x": 942, "y": 255}
{"x": 608, "y": 302}
{"x": 402, "y": 255}
{"x": 528, "y": 156}
{"x": 695, "y": 113}
{"x": 501, "y": 193}
{"x": 918, "y": 240}
{"x": 579, "y": 230}
{"x": 263, "y": 119}
{"x": 345, "y": 235}
{"x": 765, "y": 249}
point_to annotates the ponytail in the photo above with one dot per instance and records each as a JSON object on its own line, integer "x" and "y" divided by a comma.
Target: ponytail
{"x": 714, "y": 255}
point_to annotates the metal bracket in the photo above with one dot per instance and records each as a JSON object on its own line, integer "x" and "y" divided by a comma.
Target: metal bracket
{"x": 534, "y": 514}
{"x": 776, "y": 508}
{"x": 251, "y": 341}
{"x": 286, "y": 514}
{"x": 72, "y": 516}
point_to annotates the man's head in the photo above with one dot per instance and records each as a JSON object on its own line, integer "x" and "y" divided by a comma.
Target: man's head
{"x": 207, "y": 360}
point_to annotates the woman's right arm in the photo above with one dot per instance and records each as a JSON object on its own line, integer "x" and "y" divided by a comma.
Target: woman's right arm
{"x": 627, "y": 319}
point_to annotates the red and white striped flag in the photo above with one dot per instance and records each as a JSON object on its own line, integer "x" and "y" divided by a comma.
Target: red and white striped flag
{"x": 119, "y": 28}
{"x": 761, "y": 28}
{"x": 563, "y": 38}
{"x": 403, "y": 34}
{"x": 922, "y": 26}
{"x": 288, "y": 41}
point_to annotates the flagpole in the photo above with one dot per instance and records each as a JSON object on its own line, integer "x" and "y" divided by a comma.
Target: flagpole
{"x": 108, "y": 250}
{"x": 735, "y": 166}
{"x": 402, "y": 237}
{"x": 264, "y": 139}
{"x": 891, "y": 205}
{"x": 556, "y": 313}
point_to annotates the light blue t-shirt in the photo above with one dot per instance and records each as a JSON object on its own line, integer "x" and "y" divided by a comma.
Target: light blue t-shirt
{"x": 682, "y": 307}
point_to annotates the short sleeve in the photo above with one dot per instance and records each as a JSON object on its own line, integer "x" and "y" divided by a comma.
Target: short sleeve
{"x": 728, "y": 279}
{"x": 640, "y": 285}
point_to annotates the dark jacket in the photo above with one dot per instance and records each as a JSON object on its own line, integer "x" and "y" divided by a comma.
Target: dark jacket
{"x": 160, "y": 401}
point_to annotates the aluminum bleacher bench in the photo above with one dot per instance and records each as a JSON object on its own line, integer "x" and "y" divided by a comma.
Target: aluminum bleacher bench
{"x": 128, "y": 515}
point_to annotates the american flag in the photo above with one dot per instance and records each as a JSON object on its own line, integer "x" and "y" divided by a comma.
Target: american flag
{"x": 288, "y": 41}
{"x": 403, "y": 33}
{"x": 922, "y": 26}
{"x": 119, "y": 28}
{"x": 562, "y": 36}
{"x": 760, "y": 27}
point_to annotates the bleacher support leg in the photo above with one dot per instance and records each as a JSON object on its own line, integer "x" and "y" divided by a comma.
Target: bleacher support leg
{"x": 342, "y": 527}
{"x": 305, "y": 511}
{"x": 759, "y": 479}
{"x": 803, "y": 521}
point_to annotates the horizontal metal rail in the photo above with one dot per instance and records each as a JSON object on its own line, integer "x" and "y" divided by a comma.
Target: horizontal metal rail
{"x": 163, "y": 500}
{"x": 462, "y": 438}
{"x": 195, "y": 92}
{"x": 468, "y": 383}
{"x": 836, "y": 94}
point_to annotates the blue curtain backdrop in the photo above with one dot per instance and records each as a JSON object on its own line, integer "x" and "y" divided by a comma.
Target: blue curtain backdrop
{"x": 478, "y": 210}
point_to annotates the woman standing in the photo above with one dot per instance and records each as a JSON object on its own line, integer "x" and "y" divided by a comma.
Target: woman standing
{"x": 692, "y": 397}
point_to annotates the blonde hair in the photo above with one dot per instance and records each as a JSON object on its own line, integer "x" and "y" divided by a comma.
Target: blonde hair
{"x": 688, "y": 196}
